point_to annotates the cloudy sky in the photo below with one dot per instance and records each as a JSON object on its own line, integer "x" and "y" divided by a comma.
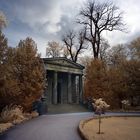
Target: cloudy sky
{"x": 47, "y": 20}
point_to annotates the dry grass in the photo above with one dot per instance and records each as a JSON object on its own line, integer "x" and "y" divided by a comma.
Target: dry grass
{"x": 34, "y": 114}
{"x": 5, "y": 126}
{"x": 114, "y": 128}
{"x": 12, "y": 115}
{"x": 31, "y": 115}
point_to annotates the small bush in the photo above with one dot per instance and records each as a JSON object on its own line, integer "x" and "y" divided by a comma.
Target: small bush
{"x": 34, "y": 114}
{"x": 31, "y": 115}
{"x": 125, "y": 104}
{"x": 5, "y": 126}
{"x": 12, "y": 114}
{"x": 100, "y": 107}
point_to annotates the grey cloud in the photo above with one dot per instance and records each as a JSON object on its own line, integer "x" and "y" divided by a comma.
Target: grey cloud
{"x": 50, "y": 19}
{"x": 43, "y": 16}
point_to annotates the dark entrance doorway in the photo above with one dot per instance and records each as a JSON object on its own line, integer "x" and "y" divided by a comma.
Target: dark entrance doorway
{"x": 59, "y": 93}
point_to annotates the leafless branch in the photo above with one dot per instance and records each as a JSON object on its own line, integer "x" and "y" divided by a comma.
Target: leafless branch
{"x": 98, "y": 17}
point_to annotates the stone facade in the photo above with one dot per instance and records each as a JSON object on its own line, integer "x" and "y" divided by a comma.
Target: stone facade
{"x": 64, "y": 81}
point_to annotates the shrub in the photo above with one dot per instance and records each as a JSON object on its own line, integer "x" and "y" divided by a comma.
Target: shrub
{"x": 96, "y": 81}
{"x": 125, "y": 104}
{"x": 34, "y": 114}
{"x": 29, "y": 70}
{"x": 31, "y": 115}
{"x": 5, "y": 126}
{"x": 100, "y": 107}
{"x": 22, "y": 74}
{"x": 12, "y": 114}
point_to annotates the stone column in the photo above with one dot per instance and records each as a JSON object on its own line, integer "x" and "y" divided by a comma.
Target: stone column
{"x": 69, "y": 88}
{"x": 55, "y": 88}
{"x": 80, "y": 88}
{"x": 77, "y": 90}
{"x": 74, "y": 92}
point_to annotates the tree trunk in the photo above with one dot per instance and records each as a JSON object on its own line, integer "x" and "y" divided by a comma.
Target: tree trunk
{"x": 95, "y": 55}
{"x": 99, "y": 124}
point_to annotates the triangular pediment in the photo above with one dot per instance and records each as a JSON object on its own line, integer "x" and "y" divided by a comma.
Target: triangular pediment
{"x": 61, "y": 61}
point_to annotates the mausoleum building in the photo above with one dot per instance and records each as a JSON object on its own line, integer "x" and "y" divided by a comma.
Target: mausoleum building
{"x": 64, "y": 81}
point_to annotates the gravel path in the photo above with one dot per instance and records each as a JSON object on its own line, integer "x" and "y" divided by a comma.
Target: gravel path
{"x": 49, "y": 127}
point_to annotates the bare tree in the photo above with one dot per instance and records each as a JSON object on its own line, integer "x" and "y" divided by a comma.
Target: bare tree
{"x": 117, "y": 54}
{"x": 103, "y": 49}
{"x": 134, "y": 48}
{"x": 66, "y": 52}
{"x": 54, "y": 49}
{"x": 74, "y": 43}
{"x": 98, "y": 17}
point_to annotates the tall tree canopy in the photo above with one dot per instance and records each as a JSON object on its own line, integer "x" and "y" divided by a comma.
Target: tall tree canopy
{"x": 29, "y": 70}
{"x": 9, "y": 89}
{"x": 134, "y": 48}
{"x": 117, "y": 81}
{"x": 98, "y": 17}
{"x": 54, "y": 49}
{"x": 22, "y": 78}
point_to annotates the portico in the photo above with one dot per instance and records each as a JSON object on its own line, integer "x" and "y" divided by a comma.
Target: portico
{"x": 64, "y": 81}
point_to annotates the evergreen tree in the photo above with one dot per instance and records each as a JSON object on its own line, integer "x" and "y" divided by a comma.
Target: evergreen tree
{"x": 29, "y": 71}
{"x": 9, "y": 89}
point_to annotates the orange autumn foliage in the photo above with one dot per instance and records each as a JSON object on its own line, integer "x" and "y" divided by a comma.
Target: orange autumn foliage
{"x": 22, "y": 74}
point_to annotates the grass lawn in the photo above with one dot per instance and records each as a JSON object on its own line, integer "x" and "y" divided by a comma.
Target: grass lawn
{"x": 114, "y": 128}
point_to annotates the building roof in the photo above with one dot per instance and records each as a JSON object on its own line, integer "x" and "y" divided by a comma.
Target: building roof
{"x": 55, "y": 60}
{"x": 62, "y": 64}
